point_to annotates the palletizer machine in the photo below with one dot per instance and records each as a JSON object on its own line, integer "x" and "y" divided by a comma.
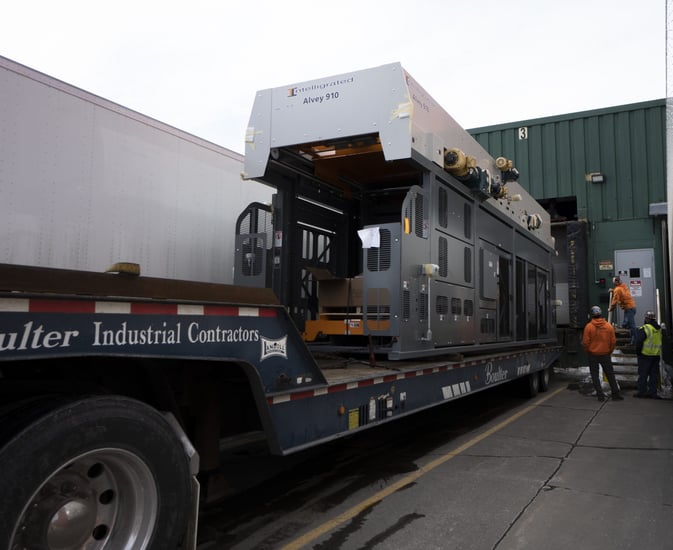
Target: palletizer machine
{"x": 392, "y": 232}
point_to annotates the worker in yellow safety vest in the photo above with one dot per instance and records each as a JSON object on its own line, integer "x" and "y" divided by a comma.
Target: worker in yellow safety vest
{"x": 648, "y": 349}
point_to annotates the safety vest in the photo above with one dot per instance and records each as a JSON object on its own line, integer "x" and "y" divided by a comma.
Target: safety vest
{"x": 652, "y": 343}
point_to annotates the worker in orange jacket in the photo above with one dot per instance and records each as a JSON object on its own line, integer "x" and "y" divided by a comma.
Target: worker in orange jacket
{"x": 599, "y": 341}
{"x": 621, "y": 296}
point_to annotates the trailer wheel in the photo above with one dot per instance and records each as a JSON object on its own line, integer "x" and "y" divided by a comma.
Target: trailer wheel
{"x": 96, "y": 473}
{"x": 545, "y": 377}
{"x": 533, "y": 384}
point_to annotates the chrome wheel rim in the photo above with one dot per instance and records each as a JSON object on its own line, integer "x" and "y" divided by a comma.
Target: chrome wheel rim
{"x": 101, "y": 499}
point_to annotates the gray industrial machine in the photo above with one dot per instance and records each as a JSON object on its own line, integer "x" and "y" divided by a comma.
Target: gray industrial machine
{"x": 392, "y": 228}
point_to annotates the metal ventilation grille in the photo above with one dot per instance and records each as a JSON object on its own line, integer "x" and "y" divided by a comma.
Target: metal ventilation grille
{"x": 442, "y": 207}
{"x": 442, "y": 305}
{"x": 422, "y": 306}
{"x": 468, "y": 308}
{"x": 419, "y": 218}
{"x": 487, "y": 326}
{"x": 443, "y": 254}
{"x": 455, "y": 306}
{"x": 467, "y": 264}
{"x": 467, "y": 220}
{"x": 378, "y": 259}
{"x": 406, "y": 305}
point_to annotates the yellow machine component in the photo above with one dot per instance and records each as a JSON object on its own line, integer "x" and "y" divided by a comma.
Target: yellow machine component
{"x": 534, "y": 221}
{"x": 329, "y": 326}
{"x": 503, "y": 164}
{"x": 340, "y": 310}
{"x": 500, "y": 193}
{"x": 458, "y": 163}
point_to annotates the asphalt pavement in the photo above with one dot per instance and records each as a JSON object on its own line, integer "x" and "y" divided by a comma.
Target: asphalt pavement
{"x": 563, "y": 471}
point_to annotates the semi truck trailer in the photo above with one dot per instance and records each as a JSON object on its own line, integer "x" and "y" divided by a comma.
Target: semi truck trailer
{"x": 397, "y": 267}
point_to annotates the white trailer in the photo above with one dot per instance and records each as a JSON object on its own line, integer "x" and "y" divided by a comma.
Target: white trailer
{"x": 86, "y": 183}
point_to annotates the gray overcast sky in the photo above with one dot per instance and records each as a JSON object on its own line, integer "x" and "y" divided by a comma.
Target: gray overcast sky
{"x": 197, "y": 65}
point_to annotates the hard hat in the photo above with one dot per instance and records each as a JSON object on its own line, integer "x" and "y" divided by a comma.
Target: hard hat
{"x": 650, "y": 315}
{"x": 595, "y": 311}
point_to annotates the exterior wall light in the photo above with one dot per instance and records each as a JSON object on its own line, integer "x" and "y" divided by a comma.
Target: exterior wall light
{"x": 596, "y": 177}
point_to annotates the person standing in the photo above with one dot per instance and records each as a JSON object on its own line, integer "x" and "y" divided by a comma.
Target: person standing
{"x": 621, "y": 295}
{"x": 599, "y": 341}
{"x": 648, "y": 350}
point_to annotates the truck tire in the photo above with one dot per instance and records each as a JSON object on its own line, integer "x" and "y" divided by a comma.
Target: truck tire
{"x": 532, "y": 384}
{"x": 545, "y": 378}
{"x": 103, "y": 472}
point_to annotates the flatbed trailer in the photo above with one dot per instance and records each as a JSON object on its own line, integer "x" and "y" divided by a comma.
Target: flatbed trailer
{"x": 117, "y": 389}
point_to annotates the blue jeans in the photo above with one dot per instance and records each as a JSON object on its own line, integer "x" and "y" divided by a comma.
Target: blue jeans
{"x": 630, "y": 322}
{"x": 648, "y": 374}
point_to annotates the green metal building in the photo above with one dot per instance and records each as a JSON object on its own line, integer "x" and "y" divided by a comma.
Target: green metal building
{"x": 601, "y": 174}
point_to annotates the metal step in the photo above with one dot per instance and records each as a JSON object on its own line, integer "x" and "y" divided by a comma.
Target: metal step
{"x": 625, "y": 365}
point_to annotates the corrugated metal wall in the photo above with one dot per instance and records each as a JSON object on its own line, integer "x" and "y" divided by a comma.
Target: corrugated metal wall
{"x": 555, "y": 154}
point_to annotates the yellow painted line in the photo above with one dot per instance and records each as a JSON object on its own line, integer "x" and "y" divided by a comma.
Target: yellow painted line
{"x": 349, "y": 514}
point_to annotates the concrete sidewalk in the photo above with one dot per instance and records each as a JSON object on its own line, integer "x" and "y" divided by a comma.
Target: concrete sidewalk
{"x": 614, "y": 488}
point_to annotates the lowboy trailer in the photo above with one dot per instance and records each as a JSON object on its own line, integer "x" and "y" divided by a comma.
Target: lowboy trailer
{"x": 398, "y": 267}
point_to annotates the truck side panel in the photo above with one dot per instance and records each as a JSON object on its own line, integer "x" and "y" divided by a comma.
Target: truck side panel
{"x": 303, "y": 419}
{"x": 299, "y": 402}
{"x": 263, "y": 337}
